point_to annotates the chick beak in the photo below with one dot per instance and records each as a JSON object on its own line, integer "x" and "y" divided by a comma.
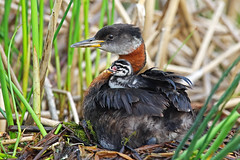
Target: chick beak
{"x": 91, "y": 42}
{"x": 109, "y": 70}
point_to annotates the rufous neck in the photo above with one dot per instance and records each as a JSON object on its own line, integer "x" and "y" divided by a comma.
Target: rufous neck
{"x": 98, "y": 81}
{"x": 137, "y": 58}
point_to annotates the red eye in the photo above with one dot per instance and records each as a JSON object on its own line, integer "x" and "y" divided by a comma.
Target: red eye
{"x": 114, "y": 68}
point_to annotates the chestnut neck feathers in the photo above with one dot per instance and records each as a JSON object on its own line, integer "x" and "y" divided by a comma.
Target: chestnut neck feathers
{"x": 137, "y": 58}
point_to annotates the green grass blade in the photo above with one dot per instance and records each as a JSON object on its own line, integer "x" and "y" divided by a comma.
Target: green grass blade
{"x": 101, "y": 22}
{"x": 223, "y": 134}
{"x": 76, "y": 36}
{"x": 35, "y": 31}
{"x": 70, "y": 50}
{"x": 51, "y": 7}
{"x": 231, "y": 146}
{"x": 113, "y": 11}
{"x": 108, "y": 15}
{"x": 29, "y": 108}
{"x": 12, "y": 94}
{"x": 202, "y": 111}
{"x": 58, "y": 129}
{"x": 87, "y": 50}
{"x": 211, "y": 135}
{"x": 76, "y": 20}
{"x": 26, "y": 53}
{"x": 217, "y": 117}
{"x": 16, "y": 24}
{"x": 6, "y": 96}
{"x": 41, "y": 25}
{"x": 80, "y": 61}
{"x": 25, "y": 78}
{"x": 110, "y": 21}
{"x": 5, "y": 23}
{"x": 97, "y": 60}
{"x": 57, "y": 59}
{"x": 214, "y": 109}
{"x": 77, "y": 23}
{"x": 5, "y": 155}
{"x": 3, "y": 113}
{"x": 24, "y": 111}
{"x": 64, "y": 16}
{"x": 209, "y": 116}
{"x": 73, "y": 34}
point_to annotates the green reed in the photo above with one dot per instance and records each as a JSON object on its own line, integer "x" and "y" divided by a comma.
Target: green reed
{"x": 6, "y": 99}
{"x": 12, "y": 94}
{"x": 201, "y": 126}
{"x": 87, "y": 50}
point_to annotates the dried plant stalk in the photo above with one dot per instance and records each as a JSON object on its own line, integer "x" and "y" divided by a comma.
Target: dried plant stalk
{"x": 168, "y": 19}
{"x": 207, "y": 38}
{"x": 48, "y": 43}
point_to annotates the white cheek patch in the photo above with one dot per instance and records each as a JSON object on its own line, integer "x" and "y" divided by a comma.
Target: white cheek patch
{"x": 124, "y": 48}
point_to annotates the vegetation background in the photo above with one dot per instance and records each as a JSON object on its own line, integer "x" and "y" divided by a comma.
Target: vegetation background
{"x": 42, "y": 76}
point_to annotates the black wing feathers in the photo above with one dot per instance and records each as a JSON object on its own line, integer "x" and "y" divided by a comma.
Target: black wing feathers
{"x": 147, "y": 102}
{"x": 168, "y": 83}
{"x": 148, "y": 93}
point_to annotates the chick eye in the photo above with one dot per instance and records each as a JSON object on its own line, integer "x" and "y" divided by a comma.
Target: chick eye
{"x": 110, "y": 36}
{"x": 114, "y": 68}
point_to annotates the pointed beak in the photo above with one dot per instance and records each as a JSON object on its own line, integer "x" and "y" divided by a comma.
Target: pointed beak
{"x": 91, "y": 42}
{"x": 109, "y": 70}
